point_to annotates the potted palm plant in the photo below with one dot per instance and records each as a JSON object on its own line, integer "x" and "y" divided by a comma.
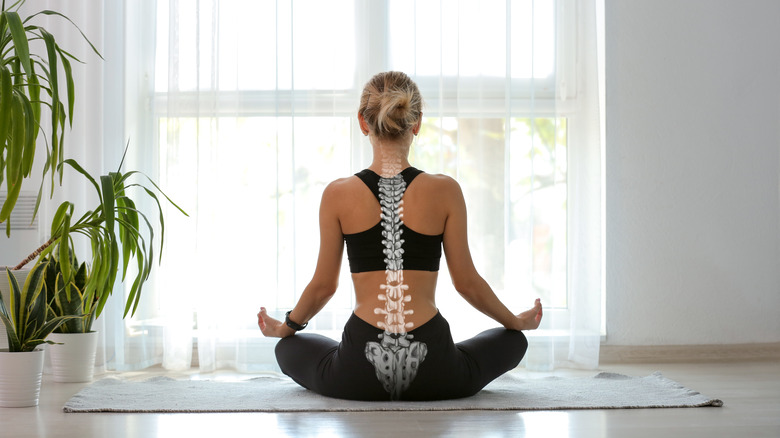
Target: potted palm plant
{"x": 27, "y": 326}
{"x": 30, "y": 86}
{"x": 118, "y": 232}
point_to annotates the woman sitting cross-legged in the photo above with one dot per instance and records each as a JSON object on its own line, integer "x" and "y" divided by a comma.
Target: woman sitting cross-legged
{"x": 395, "y": 219}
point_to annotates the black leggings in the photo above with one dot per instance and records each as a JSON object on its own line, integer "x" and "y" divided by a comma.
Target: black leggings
{"x": 448, "y": 370}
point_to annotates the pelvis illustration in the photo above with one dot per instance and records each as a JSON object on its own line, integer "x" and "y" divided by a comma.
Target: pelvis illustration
{"x": 396, "y": 361}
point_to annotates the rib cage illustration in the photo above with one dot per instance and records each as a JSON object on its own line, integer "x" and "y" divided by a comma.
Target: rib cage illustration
{"x": 396, "y": 357}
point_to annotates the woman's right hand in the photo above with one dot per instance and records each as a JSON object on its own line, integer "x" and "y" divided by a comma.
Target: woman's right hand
{"x": 530, "y": 319}
{"x": 272, "y": 327}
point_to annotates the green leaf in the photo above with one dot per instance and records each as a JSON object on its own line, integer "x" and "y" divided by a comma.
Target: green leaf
{"x": 80, "y": 279}
{"x": 6, "y": 99}
{"x": 93, "y": 281}
{"x": 16, "y": 150}
{"x": 70, "y": 301}
{"x": 88, "y": 320}
{"x": 53, "y": 68}
{"x": 59, "y": 216}
{"x": 101, "y": 280}
{"x": 62, "y": 116}
{"x": 30, "y": 127}
{"x": 161, "y": 218}
{"x": 135, "y": 291}
{"x": 38, "y": 309}
{"x": 51, "y": 73}
{"x": 77, "y": 167}
{"x": 62, "y": 289}
{"x": 113, "y": 264}
{"x": 13, "y": 338}
{"x": 34, "y": 89}
{"x": 15, "y": 299}
{"x": 3, "y": 37}
{"x": 107, "y": 187}
{"x": 48, "y": 12}
{"x": 64, "y": 249}
{"x": 70, "y": 85}
{"x": 7, "y": 317}
{"x": 13, "y": 194}
{"x": 40, "y": 188}
{"x": 21, "y": 46}
{"x": 124, "y": 155}
{"x": 30, "y": 293}
{"x": 126, "y": 211}
{"x": 101, "y": 304}
{"x": 163, "y": 193}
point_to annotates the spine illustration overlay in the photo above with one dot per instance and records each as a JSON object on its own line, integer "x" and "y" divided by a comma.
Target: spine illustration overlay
{"x": 396, "y": 356}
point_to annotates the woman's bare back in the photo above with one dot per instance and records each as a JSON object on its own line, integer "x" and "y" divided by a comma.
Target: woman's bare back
{"x": 425, "y": 211}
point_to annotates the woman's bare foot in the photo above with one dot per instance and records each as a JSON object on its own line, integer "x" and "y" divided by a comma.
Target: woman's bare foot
{"x": 530, "y": 319}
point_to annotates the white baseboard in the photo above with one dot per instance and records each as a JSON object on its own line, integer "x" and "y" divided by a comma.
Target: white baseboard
{"x": 688, "y": 353}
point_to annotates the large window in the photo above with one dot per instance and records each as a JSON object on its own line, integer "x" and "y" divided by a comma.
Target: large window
{"x": 248, "y": 109}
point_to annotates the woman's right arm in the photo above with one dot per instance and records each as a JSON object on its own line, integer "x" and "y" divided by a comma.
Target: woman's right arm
{"x": 467, "y": 281}
{"x": 326, "y": 274}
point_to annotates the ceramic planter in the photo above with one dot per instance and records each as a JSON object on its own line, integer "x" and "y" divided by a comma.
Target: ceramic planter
{"x": 20, "y": 378}
{"x": 5, "y": 288}
{"x": 74, "y": 359}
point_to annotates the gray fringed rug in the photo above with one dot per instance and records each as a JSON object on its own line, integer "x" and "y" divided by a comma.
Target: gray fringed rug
{"x": 278, "y": 394}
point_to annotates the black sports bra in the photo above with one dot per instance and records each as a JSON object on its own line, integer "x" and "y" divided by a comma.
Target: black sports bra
{"x": 421, "y": 252}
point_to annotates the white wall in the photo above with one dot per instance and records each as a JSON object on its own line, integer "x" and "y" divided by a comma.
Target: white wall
{"x": 693, "y": 171}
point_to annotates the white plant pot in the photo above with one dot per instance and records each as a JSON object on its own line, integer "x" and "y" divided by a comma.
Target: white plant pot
{"x": 5, "y": 290}
{"x": 20, "y": 378}
{"x": 74, "y": 359}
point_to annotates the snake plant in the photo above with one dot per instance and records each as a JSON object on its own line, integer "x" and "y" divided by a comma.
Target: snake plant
{"x": 69, "y": 298}
{"x": 26, "y": 321}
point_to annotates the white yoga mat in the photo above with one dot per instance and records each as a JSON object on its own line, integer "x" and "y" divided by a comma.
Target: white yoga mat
{"x": 280, "y": 394}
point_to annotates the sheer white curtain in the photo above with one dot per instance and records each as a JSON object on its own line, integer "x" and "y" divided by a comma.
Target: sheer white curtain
{"x": 245, "y": 110}
{"x": 96, "y": 141}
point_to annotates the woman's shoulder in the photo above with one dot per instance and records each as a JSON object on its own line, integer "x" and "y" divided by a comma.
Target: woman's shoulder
{"x": 341, "y": 183}
{"x": 343, "y": 189}
{"x": 440, "y": 183}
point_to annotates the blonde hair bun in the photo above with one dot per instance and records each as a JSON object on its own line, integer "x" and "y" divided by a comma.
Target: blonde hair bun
{"x": 391, "y": 104}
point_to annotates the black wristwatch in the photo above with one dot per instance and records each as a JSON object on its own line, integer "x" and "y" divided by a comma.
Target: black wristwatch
{"x": 292, "y": 324}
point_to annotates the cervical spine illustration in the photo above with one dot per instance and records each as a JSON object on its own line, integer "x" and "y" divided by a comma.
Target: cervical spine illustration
{"x": 396, "y": 358}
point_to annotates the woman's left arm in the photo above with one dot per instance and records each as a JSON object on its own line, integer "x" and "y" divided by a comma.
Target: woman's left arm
{"x": 326, "y": 275}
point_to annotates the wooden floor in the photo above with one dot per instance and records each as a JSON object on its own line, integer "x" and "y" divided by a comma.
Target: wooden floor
{"x": 750, "y": 391}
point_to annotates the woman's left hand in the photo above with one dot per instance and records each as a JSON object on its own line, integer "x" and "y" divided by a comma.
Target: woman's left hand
{"x": 271, "y": 327}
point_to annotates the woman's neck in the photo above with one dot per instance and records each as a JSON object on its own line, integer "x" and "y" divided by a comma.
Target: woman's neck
{"x": 390, "y": 158}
